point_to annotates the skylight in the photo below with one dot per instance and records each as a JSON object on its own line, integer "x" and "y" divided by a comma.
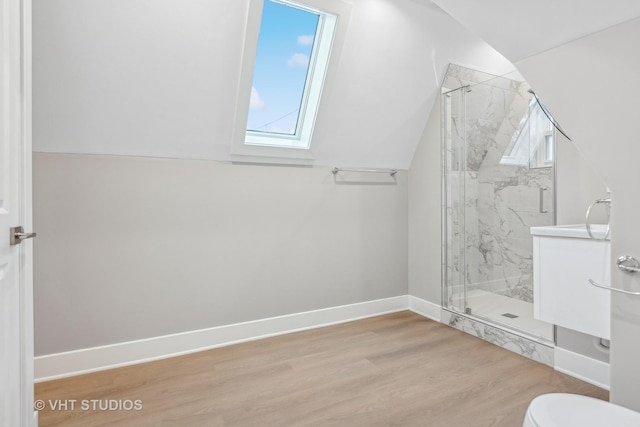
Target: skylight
{"x": 291, "y": 61}
{"x": 283, "y": 57}
{"x": 287, "y": 65}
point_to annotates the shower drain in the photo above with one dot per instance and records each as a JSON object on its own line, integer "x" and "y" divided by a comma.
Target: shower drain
{"x": 509, "y": 315}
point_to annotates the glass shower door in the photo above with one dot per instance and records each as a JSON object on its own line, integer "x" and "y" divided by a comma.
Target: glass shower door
{"x": 498, "y": 183}
{"x": 453, "y": 108}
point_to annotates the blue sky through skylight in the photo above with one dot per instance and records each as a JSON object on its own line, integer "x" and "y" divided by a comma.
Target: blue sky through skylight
{"x": 282, "y": 60}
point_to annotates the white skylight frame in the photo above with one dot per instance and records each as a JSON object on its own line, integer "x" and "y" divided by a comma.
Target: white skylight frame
{"x": 267, "y": 147}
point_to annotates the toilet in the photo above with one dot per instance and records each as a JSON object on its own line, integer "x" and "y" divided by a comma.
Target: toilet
{"x": 568, "y": 410}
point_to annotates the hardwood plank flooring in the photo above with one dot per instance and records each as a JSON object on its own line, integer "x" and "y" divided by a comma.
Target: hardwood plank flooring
{"x": 394, "y": 370}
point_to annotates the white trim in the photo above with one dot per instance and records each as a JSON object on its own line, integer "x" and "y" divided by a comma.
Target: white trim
{"x": 425, "y": 308}
{"x": 77, "y": 362}
{"x": 582, "y": 367}
{"x": 61, "y": 365}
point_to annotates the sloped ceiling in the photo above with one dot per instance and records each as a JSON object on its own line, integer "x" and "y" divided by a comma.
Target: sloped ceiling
{"x": 390, "y": 74}
{"x": 522, "y": 28}
{"x": 159, "y": 78}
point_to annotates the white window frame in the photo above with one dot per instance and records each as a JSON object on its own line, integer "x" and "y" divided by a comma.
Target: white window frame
{"x": 266, "y": 147}
{"x": 524, "y": 152}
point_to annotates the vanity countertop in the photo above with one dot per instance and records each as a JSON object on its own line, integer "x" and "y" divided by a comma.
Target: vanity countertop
{"x": 579, "y": 231}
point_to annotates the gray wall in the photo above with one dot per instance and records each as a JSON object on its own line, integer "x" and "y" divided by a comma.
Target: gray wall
{"x": 602, "y": 121}
{"x": 578, "y": 185}
{"x": 425, "y": 214}
{"x": 131, "y": 248}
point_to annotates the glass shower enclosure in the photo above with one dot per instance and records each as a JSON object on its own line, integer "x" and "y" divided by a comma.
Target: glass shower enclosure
{"x": 498, "y": 181}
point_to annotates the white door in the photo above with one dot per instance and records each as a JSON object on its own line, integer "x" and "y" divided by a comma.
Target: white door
{"x": 16, "y": 298}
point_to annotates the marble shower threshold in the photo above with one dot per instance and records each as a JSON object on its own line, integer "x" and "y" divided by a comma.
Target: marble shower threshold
{"x": 512, "y": 341}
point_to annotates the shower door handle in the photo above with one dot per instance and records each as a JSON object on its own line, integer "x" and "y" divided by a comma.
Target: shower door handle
{"x": 542, "y": 209}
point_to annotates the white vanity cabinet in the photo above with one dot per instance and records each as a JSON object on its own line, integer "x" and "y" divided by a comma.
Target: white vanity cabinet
{"x": 564, "y": 259}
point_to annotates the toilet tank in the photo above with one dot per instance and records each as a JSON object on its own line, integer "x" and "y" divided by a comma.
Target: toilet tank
{"x": 564, "y": 259}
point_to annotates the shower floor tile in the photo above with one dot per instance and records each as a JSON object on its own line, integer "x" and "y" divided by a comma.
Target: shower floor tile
{"x": 513, "y": 313}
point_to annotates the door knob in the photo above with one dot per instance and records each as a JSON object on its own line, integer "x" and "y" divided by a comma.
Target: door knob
{"x": 17, "y": 235}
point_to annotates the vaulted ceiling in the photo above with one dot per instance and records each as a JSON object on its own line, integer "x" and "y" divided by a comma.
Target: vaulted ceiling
{"x": 159, "y": 78}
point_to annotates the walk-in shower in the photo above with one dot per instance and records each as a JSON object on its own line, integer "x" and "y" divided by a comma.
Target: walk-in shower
{"x": 498, "y": 181}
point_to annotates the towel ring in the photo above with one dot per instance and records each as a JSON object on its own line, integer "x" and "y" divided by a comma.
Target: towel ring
{"x": 606, "y": 202}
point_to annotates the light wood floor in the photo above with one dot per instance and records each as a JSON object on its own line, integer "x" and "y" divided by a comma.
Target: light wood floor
{"x": 394, "y": 370}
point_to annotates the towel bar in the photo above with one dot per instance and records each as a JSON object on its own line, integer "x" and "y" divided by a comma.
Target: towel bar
{"x": 391, "y": 172}
{"x": 609, "y": 288}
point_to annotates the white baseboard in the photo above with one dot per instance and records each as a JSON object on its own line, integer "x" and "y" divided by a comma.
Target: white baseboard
{"x": 425, "y": 308}
{"x": 77, "y": 362}
{"x": 582, "y": 367}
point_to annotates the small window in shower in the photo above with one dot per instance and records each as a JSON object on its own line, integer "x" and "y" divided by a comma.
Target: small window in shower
{"x": 548, "y": 148}
{"x": 532, "y": 142}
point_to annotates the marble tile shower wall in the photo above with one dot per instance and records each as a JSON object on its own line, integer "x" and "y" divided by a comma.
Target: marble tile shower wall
{"x": 501, "y": 201}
